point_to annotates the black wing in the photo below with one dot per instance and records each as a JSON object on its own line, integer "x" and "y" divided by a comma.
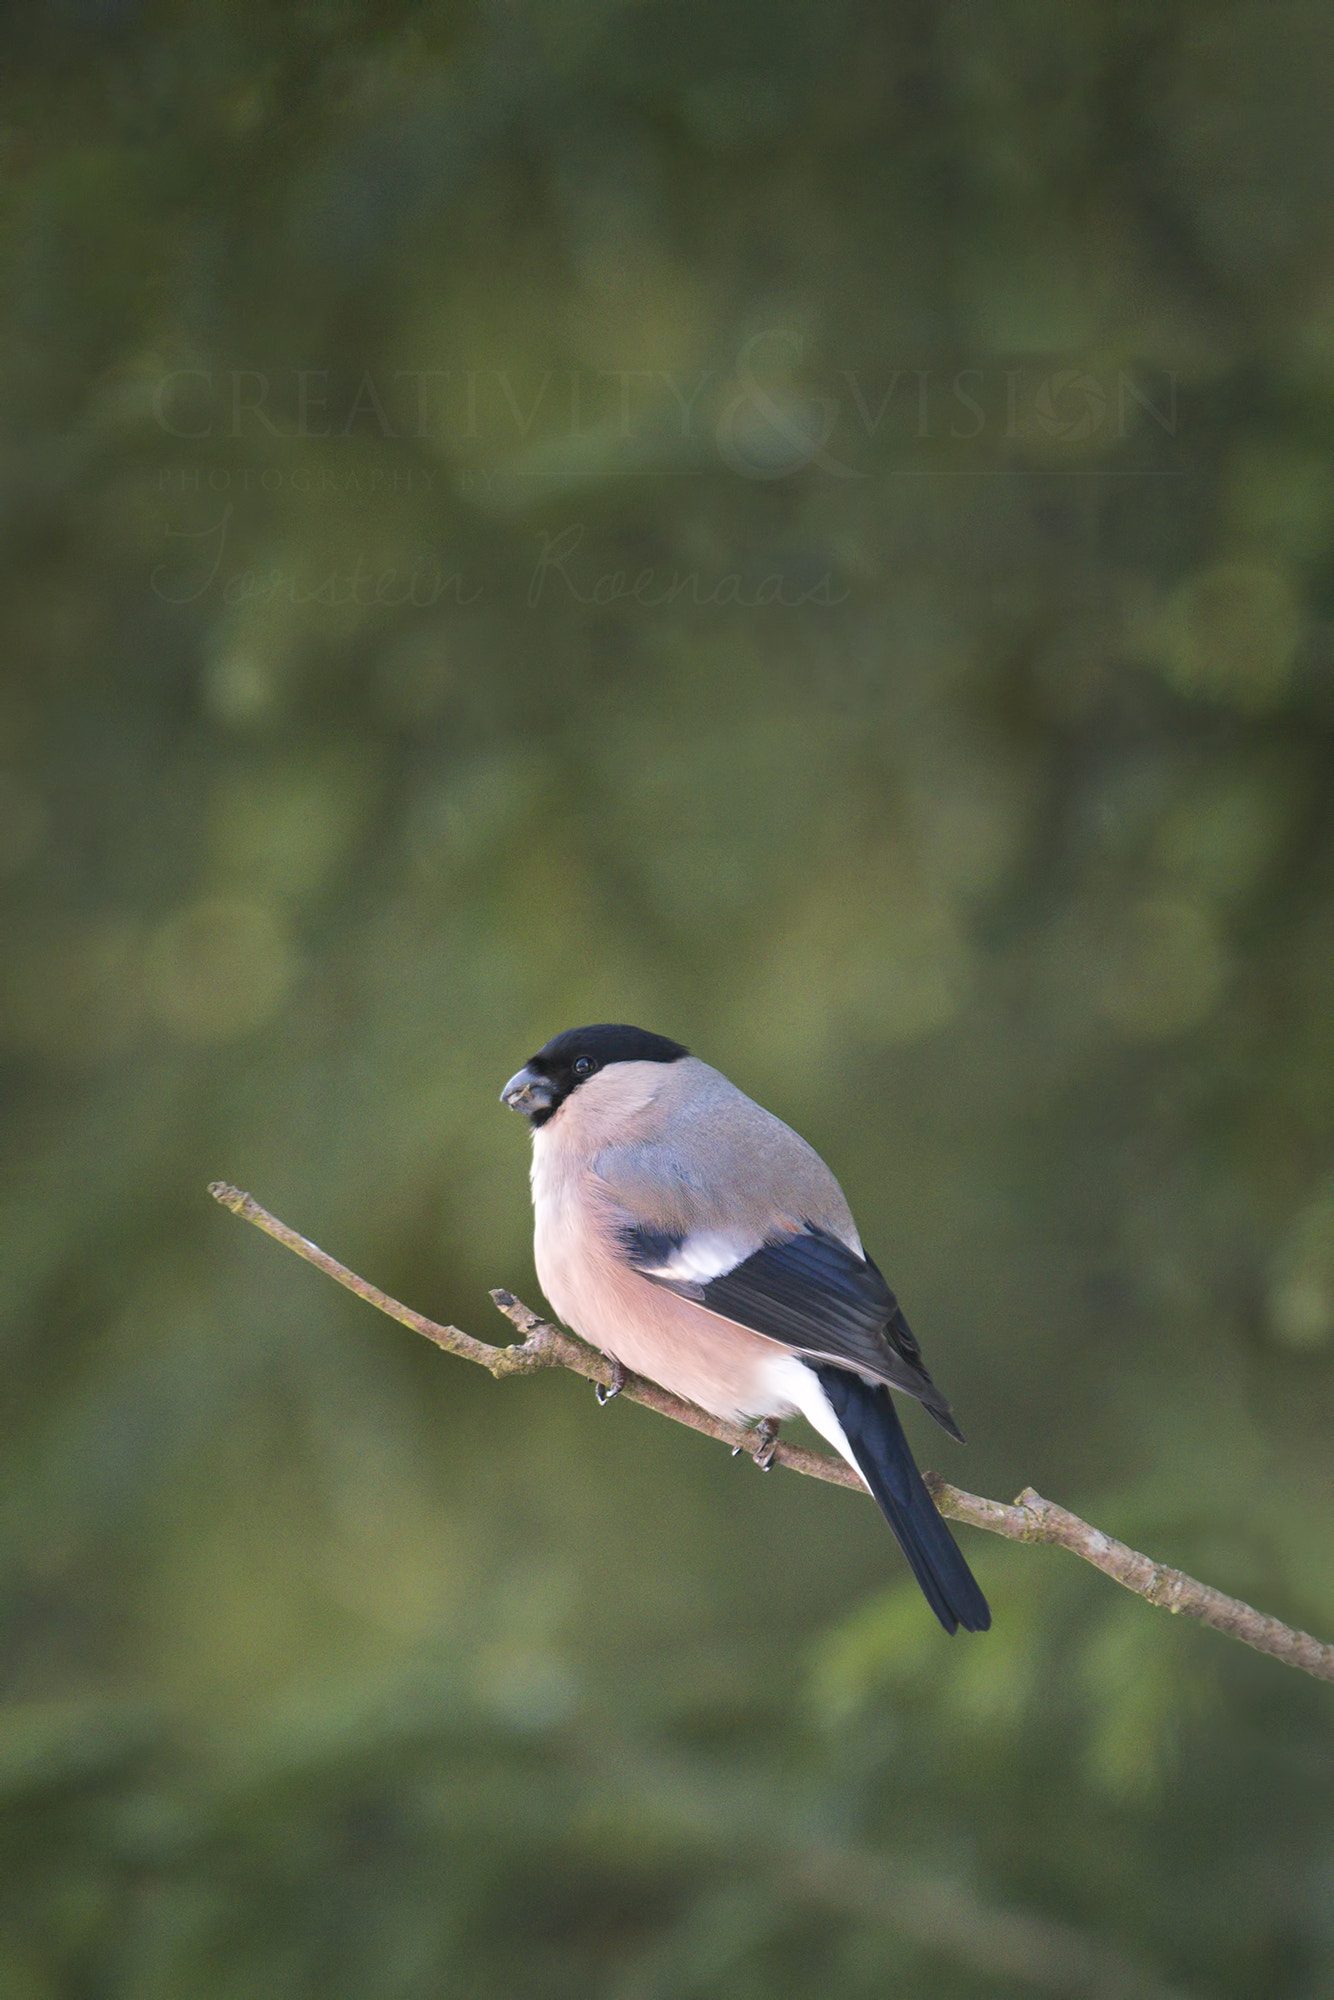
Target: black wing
{"x": 811, "y": 1292}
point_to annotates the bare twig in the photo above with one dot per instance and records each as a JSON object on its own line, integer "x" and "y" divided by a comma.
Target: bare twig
{"x": 1030, "y": 1519}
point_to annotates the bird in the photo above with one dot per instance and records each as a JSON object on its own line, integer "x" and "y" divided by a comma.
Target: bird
{"x": 700, "y": 1242}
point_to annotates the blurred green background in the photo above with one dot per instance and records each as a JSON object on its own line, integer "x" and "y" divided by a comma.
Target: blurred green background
{"x": 810, "y": 529}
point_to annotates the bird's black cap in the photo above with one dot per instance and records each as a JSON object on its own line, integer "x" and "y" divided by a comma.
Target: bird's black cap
{"x": 607, "y": 1042}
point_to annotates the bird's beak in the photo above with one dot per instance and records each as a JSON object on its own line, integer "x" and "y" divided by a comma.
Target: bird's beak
{"x": 528, "y": 1092}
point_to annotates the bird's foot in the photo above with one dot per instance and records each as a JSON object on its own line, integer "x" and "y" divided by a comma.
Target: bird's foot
{"x": 605, "y": 1391}
{"x": 766, "y": 1439}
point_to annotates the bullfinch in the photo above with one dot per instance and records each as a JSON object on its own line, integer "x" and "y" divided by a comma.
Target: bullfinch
{"x": 700, "y": 1242}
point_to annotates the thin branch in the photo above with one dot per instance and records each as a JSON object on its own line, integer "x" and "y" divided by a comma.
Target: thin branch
{"x": 1030, "y": 1519}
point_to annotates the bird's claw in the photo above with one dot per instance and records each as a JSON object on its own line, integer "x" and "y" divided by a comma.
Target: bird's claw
{"x": 766, "y": 1434}
{"x": 605, "y": 1391}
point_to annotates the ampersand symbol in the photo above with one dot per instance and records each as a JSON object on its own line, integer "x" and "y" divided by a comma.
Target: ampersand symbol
{"x": 754, "y": 422}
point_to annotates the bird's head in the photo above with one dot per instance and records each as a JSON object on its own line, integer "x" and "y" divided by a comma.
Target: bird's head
{"x": 568, "y": 1061}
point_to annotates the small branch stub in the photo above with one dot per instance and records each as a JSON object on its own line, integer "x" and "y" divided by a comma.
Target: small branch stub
{"x": 1030, "y": 1519}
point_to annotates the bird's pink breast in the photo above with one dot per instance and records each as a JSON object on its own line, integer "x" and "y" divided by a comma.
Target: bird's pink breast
{"x": 710, "y": 1361}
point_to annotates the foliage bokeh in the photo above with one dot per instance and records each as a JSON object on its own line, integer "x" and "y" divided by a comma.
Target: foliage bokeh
{"x": 810, "y": 529}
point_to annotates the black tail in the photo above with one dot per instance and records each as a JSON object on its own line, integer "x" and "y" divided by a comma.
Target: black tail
{"x": 875, "y": 1437}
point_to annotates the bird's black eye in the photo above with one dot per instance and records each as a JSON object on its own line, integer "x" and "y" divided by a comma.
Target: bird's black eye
{"x": 584, "y": 1066}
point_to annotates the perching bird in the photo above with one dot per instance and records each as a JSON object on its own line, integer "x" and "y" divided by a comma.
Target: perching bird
{"x": 700, "y": 1242}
